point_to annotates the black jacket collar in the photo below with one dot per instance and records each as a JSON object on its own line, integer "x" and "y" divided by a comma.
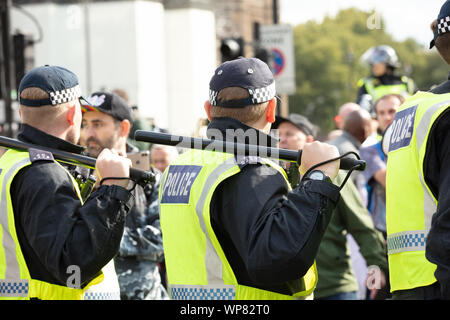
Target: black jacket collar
{"x": 35, "y": 136}
{"x": 388, "y": 79}
{"x": 233, "y": 130}
{"x": 442, "y": 88}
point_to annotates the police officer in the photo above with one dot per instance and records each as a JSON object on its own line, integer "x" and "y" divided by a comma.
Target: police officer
{"x": 232, "y": 228}
{"x": 54, "y": 245}
{"x": 383, "y": 62}
{"x": 418, "y": 187}
{"x": 106, "y": 124}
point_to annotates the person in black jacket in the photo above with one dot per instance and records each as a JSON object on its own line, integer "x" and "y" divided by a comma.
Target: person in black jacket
{"x": 436, "y": 167}
{"x": 54, "y": 228}
{"x": 254, "y": 215}
{"x": 433, "y": 118}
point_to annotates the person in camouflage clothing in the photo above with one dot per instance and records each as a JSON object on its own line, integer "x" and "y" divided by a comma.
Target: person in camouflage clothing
{"x": 141, "y": 248}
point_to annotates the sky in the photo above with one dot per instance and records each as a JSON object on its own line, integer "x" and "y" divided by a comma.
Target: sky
{"x": 403, "y": 18}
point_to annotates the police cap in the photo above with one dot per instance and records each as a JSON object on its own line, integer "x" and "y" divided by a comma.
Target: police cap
{"x": 443, "y": 21}
{"x": 249, "y": 73}
{"x": 60, "y": 84}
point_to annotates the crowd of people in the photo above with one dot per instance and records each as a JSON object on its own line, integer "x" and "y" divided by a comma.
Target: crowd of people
{"x": 215, "y": 225}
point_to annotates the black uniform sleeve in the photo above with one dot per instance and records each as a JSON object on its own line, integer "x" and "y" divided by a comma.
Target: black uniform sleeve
{"x": 55, "y": 231}
{"x": 271, "y": 235}
{"x": 437, "y": 175}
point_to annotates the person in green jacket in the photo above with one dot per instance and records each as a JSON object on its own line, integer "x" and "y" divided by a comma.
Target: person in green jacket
{"x": 336, "y": 278}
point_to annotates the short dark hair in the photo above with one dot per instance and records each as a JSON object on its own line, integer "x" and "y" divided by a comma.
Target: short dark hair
{"x": 389, "y": 96}
{"x": 246, "y": 114}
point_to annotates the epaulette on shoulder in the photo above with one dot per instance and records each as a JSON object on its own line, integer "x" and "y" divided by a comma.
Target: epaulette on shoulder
{"x": 242, "y": 161}
{"x": 40, "y": 155}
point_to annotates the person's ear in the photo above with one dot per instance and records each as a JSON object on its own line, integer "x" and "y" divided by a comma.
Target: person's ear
{"x": 270, "y": 111}
{"x": 434, "y": 25}
{"x": 125, "y": 127}
{"x": 207, "y": 107}
{"x": 367, "y": 130}
{"x": 338, "y": 121}
{"x": 70, "y": 116}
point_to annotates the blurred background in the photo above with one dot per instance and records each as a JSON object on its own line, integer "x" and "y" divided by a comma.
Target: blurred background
{"x": 162, "y": 53}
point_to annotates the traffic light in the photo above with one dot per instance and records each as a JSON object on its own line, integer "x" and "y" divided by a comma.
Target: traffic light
{"x": 19, "y": 57}
{"x": 259, "y": 51}
{"x": 232, "y": 48}
{"x": 23, "y": 50}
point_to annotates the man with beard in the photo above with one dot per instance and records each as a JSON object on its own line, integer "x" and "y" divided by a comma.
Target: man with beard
{"x": 106, "y": 124}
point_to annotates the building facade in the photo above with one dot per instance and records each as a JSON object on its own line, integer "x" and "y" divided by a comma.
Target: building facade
{"x": 162, "y": 52}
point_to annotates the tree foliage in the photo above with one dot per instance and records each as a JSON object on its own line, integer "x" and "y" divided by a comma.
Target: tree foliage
{"x": 327, "y": 58}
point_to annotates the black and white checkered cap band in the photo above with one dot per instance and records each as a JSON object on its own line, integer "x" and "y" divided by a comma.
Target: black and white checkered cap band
{"x": 444, "y": 25}
{"x": 65, "y": 95}
{"x": 262, "y": 94}
{"x": 258, "y": 95}
{"x": 213, "y": 97}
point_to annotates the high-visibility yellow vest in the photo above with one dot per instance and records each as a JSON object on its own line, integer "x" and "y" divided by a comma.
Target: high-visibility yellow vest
{"x": 409, "y": 201}
{"x": 197, "y": 267}
{"x": 377, "y": 91}
{"x": 15, "y": 279}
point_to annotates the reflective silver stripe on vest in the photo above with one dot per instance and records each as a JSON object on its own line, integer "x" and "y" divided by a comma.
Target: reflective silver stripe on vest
{"x": 429, "y": 203}
{"x": 17, "y": 288}
{"x": 191, "y": 292}
{"x": 212, "y": 260}
{"x": 12, "y": 285}
{"x": 406, "y": 241}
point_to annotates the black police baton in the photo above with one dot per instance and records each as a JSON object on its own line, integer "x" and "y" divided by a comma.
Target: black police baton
{"x": 140, "y": 176}
{"x": 346, "y": 163}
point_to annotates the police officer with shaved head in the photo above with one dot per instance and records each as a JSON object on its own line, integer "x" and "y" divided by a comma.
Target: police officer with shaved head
{"x": 418, "y": 186}
{"x": 54, "y": 244}
{"x": 232, "y": 227}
